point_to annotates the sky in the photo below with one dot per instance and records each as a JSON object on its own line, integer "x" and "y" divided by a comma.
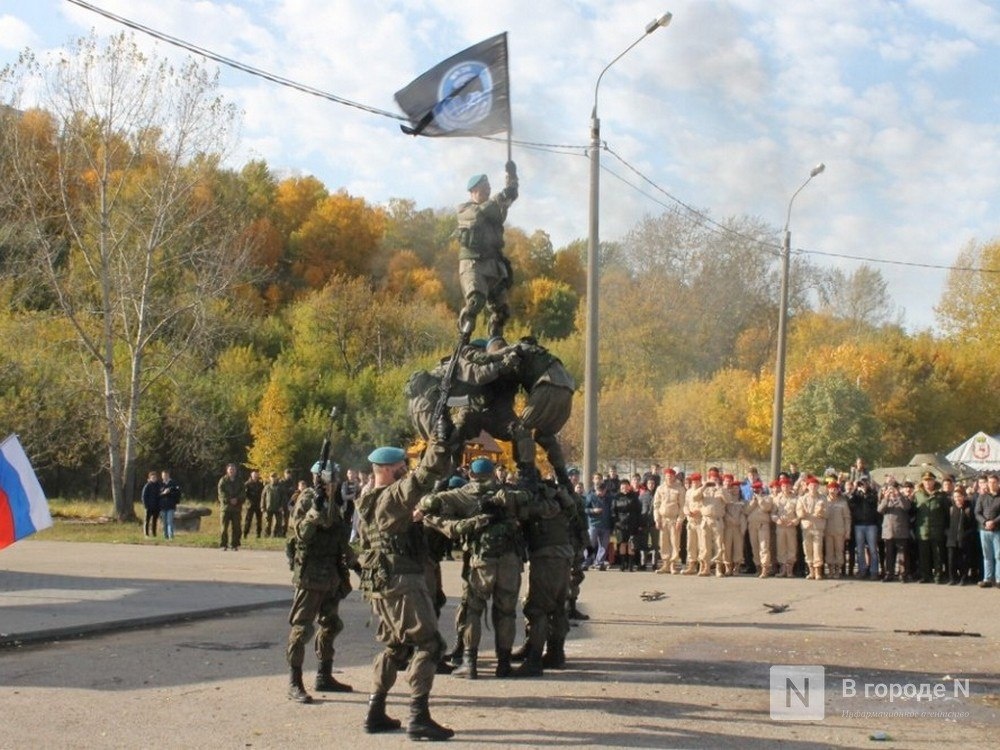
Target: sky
{"x": 727, "y": 109}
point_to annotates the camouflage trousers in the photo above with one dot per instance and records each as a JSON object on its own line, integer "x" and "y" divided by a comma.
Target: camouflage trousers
{"x": 545, "y": 603}
{"x": 310, "y": 605}
{"x": 497, "y": 579}
{"x": 409, "y": 631}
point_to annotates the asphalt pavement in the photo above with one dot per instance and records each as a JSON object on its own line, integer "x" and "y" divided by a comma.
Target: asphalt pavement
{"x": 197, "y": 659}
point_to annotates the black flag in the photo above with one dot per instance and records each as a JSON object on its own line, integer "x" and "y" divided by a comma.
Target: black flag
{"x": 467, "y": 94}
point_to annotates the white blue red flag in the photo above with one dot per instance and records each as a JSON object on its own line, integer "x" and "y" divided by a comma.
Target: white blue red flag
{"x": 23, "y": 507}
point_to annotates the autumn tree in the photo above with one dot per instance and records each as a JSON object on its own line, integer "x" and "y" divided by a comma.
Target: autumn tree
{"x": 969, "y": 308}
{"x": 122, "y": 196}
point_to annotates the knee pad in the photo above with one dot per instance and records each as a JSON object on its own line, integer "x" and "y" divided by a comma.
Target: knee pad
{"x": 474, "y": 303}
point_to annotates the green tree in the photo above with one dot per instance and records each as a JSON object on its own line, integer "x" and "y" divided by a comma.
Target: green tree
{"x": 830, "y": 422}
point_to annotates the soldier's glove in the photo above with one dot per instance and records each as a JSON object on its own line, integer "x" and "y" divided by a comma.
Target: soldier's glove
{"x": 471, "y": 525}
{"x": 430, "y": 504}
{"x": 511, "y": 169}
{"x": 443, "y": 428}
{"x": 511, "y": 360}
{"x": 356, "y": 567}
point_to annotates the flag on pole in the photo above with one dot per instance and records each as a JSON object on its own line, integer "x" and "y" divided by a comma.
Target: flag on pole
{"x": 23, "y": 507}
{"x": 467, "y": 94}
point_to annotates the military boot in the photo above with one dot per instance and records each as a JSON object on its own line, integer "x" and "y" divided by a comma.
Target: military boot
{"x": 531, "y": 667}
{"x": 690, "y": 570}
{"x": 455, "y": 657}
{"x": 555, "y": 654}
{"x": 503, "y": 663}
{"x": 422, "y": 726}
{"x": 704, "y": 569}
{"x": 377, "y": 720}
{"x": 325, "y": 681}
{"x": 470, "y": 665}
{"x": 519, "y": 653}
{"x": 573, "y": 613}
{"x": 296, "y": 690}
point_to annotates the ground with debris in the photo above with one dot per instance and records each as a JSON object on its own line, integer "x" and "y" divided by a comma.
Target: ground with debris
{"x": 688, "y": 667}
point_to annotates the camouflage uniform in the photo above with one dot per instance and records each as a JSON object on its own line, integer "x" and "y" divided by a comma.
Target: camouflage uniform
{"x": 230, "y": 503}
{"x": 393, "y": 558}
{"x": 253, "y": 490}
{"x": 272, "y": 498}
{"x": 319, "y": 556}
{"x": 550, "y": 552}
{"x": 483, "y": 270}
{"x": 550, "y": 390}
{"x": 494, "y": 540}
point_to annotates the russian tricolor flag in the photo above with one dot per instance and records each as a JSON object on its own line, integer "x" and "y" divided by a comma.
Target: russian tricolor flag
{"x": 23, "y": 507}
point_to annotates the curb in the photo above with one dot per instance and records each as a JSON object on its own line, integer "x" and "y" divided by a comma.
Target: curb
{"x": 89, "y": 630}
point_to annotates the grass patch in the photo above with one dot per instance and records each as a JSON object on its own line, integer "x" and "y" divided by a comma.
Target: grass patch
{"x": 90, "y": 521}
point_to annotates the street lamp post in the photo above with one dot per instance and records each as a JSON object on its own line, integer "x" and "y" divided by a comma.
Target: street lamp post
{"x": 779, "y": 369}
{"x": 590, "y": 389}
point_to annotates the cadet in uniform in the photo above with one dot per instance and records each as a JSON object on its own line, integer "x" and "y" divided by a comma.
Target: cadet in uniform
{"x": 393, "y": 551}
{"x": 810, "y": 509}
{"x": 759, "y": 525}
{"x": 713, "y": 522}
{"x": 785, "y": 521}
{"x": 320, "y": 559}
{"x": 483, "y": 270}
{"x": 668, "y": 509}
{"x": 734, "y": 526}
{"x": 693, "y": 506}
{"x": 838, "y": 529}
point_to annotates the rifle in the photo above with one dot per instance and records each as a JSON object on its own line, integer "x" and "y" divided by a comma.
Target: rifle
{"x": 441, "y": 408}
{"x": 325, "y": 475}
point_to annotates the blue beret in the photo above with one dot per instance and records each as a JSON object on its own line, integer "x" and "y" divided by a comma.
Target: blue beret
{"x": 481, "y": 466}
{"x": 317, "y": 468}
{"x": 480, "y": 343}
{"x": 476, "y": 179}
{"x": 456, "y": 482}
{"x": 387, "y": 455}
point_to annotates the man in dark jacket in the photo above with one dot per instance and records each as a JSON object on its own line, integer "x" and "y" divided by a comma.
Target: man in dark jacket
{"x": 151, "y": 502}
{"x": 988, "y": 519}
{"x": 863, "y": 503}
{"x": 170, "y": 496}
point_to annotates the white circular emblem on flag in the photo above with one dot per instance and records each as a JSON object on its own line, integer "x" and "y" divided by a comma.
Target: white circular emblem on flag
{"x": 465, "y": 96}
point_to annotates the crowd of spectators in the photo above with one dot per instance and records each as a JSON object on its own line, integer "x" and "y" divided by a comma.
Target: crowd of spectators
{"x": 838, "y": 524}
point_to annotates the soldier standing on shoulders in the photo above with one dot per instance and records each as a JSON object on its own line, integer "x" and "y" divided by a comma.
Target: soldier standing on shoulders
{"x": 320, "y": 559}
{"x": 483, "y": 270}
{"x": 230, "y": 503}
{"x": 393, "y": 552}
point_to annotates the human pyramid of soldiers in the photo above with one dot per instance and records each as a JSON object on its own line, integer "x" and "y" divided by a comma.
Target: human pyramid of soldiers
{"x": 408, "y": 520}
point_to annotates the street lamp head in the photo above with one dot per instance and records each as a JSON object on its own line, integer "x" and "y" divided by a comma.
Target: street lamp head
{"x": 818, "y": 169}
{"x": 656, "y": 23}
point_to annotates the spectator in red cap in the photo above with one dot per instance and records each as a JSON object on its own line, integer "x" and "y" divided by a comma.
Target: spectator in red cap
{"x": 668, "y": 505}
{"x": 785, "y": 521}
{"x": 735, "y": 526}
{"x": 759, "y": 525}
{"x": 838, "y": 529}
{"x": 693, "y": 506}
{"x": 810, "y": 509}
